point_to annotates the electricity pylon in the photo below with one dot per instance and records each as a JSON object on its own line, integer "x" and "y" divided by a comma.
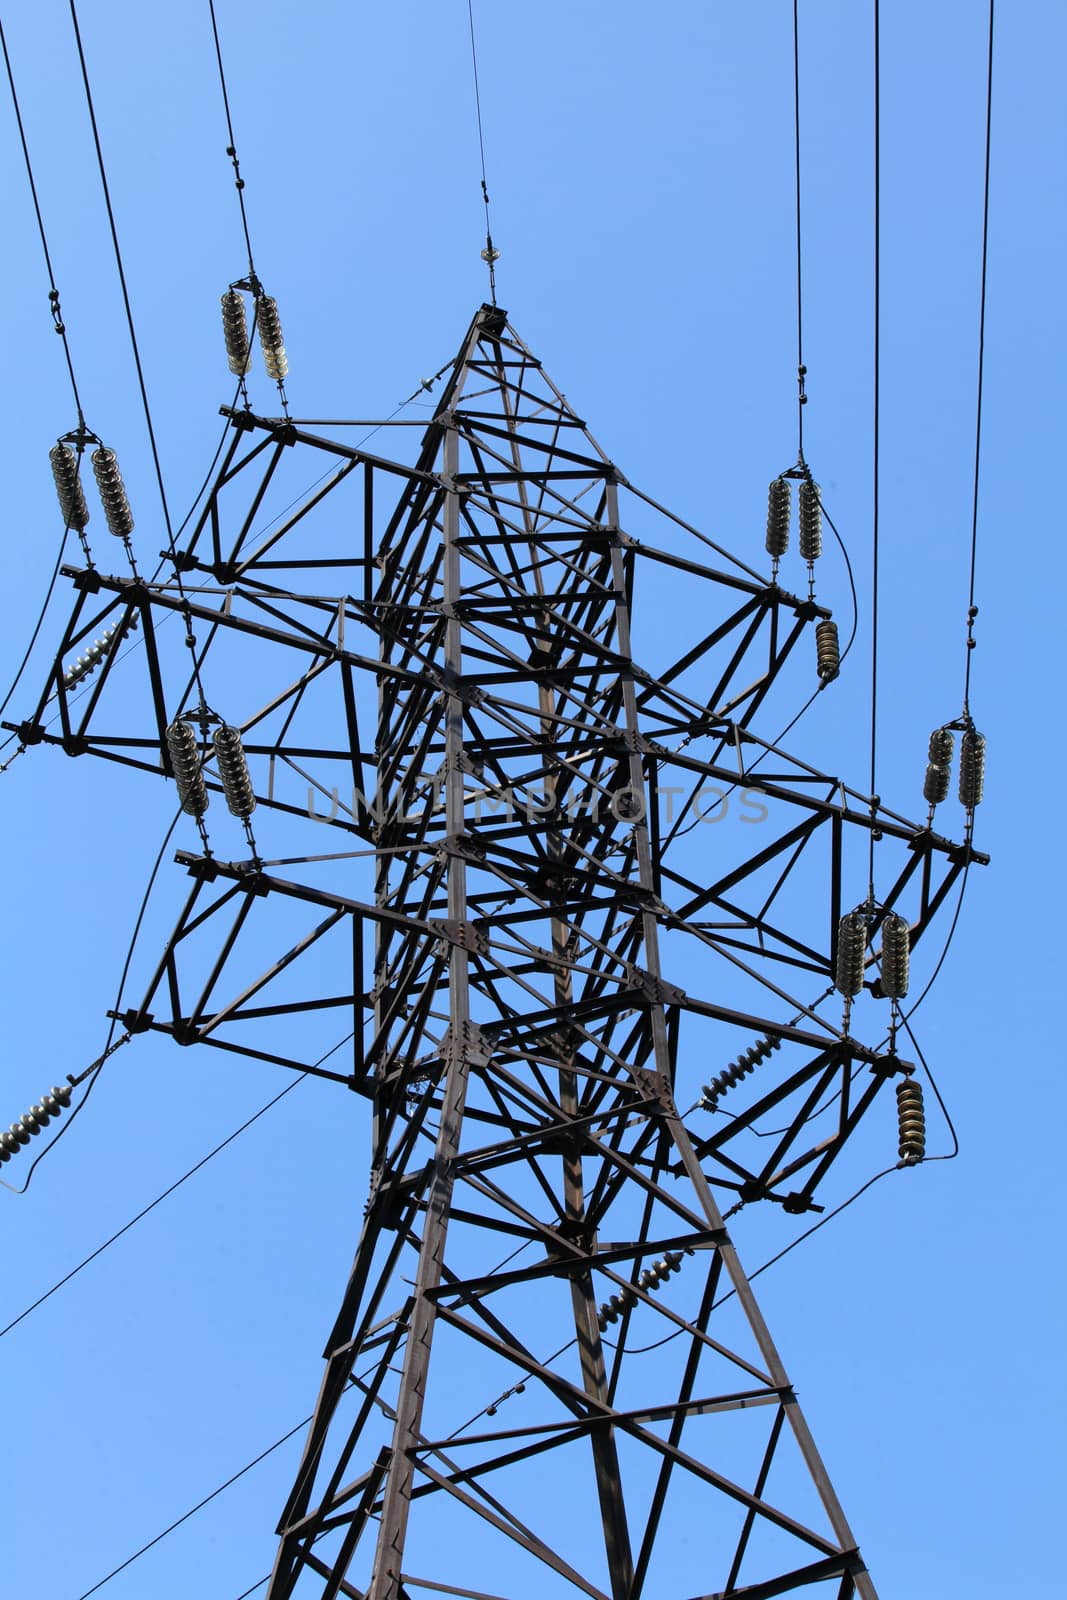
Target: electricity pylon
{"x": 542, "y": 946}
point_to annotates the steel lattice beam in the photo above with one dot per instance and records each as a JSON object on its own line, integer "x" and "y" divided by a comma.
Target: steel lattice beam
{"x": 534, "y": 961}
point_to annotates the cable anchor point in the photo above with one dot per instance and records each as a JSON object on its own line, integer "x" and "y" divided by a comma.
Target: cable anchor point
{"x": 491, "y": 255}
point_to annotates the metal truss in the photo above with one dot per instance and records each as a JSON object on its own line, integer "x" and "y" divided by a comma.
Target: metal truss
{"x": 540, "y": 944}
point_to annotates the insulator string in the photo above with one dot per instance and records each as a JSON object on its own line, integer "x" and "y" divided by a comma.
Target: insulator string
{"x": 53, "y": 292}
{"x": 490, "y": 255}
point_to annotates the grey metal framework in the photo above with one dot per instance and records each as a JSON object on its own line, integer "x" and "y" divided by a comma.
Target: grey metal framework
{"x": 549, "y": 1373}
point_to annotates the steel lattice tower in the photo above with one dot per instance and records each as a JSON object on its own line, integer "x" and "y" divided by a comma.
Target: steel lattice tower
{"x": 540, "y": 969}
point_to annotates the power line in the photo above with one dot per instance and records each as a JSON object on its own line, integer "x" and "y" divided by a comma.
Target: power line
{"x": 490, "y": 255}
{"x": 231, "y": 148}
{"x": 122, "y": 272}
{"x": 255, "y": 1586}
{"x": 206, "y": 1501}
{"x": 53, "y": 293}
{"x": 109, "y": 1044}
{"x": 972, "y": 611}
{"x": 877, "y": 438}
{"x": 37, "y": 625}
{"x": 801, "y": 1237}
{"x": 60, "y": 327}
{"x": 801, "y": 368}
{"x": 947, "y": 945}
{"x": 151, "y": 1206}
{"x": 951, "y": 1156}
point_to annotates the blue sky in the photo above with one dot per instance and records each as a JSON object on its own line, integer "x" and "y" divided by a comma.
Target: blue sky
{"x": 640, "y": 169}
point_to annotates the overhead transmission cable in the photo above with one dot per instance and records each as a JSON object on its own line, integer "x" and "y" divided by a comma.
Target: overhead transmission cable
{"x": 53, "y": 291}
{"x": 231, "y": 150}
{"x": 177, "y": 1184}
{"x": 876, "y": 486}
{"x": 972, "y": 609}
{"x": 810, "y": 509}
{"x": 206, "y": 1501}
{"x": 106, "y": 188}
{"x": 490, "y": 254}
{"x": 801, "y": 368}
{"x": 152, "y": 1204}
{"x": 59, "y": 327}
{"x": 92, "y": 1072}
{"x": 36, "y": 628}
{"x": 801, "y": 469}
